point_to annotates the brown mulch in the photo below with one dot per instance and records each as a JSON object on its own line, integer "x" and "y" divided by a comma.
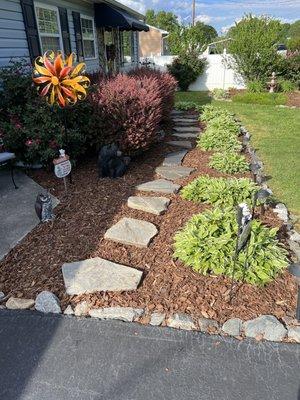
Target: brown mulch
{"x": 294, "y": 99}
{"x": 92, "y": 206}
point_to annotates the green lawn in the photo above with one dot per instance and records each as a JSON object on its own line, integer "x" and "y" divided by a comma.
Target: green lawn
{"x": 276, "y": 135}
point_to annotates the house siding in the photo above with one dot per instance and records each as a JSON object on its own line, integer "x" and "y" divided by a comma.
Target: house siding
{"x": 13, "y": 42}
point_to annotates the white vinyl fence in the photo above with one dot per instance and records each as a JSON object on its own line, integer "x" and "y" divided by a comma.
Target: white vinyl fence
{"x": 217, "y": 74}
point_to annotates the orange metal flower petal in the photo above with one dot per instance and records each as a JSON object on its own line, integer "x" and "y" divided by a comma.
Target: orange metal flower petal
{"x": 58, "y": 64}
{"x": 40, "y": 69}
{"x": 64, "y": 72}
{"x": 70, "y": 59}
{"x": 49, "y": 66}
{"x": 45, "y": 90}
{"x": 61, "y": 99}
{"x": 41, "y": 79}
{"x": 79, "y": 68}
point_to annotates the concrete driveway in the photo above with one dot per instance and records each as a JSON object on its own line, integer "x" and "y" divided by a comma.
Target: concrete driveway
{"x": 47, "y": 357}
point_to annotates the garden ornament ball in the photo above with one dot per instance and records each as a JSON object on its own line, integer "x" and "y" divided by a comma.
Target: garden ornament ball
{"x": 58, "y": 80}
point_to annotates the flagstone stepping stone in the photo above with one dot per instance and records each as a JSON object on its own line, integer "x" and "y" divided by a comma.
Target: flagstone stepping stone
{"x": 181, "y": 143}
{"x": 97, "y": 274}
{"x": 132, "y": 231}
{"x": 153, "y": 205}
{"x": 160, "y": 186}
{"x": 173, "y": 159}
{"x": 173, "y": 173}
{"x": 186, "y": 135}
{"x": 187, "y": 120}
{"x": 183, "y": 129}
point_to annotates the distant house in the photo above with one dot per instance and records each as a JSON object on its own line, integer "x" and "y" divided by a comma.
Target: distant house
{"x": 104, "y": 34}
{"x": 153, "y": 43}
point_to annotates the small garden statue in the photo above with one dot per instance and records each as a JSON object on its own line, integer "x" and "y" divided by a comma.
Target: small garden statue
{"x": 272, "y": 84}
{"x": 44, "y": 208}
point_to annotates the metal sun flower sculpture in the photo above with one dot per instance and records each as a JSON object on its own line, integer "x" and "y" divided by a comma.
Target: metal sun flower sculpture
{"x": 58, "y": 80}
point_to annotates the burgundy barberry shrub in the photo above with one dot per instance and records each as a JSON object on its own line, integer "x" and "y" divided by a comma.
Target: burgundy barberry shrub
{"x": 130, "y": 111}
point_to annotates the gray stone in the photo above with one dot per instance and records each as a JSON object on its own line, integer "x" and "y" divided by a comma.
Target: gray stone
{"x": 47, "y": 302}
{"x": 233, "y": 327}
{"x": 97, "y": 274}
{"x": 181, "y": 143}
{"x": 82, "y": 309}
{"x": 132, "y": 232}
{"x": 15, "y": 303}
{"x": 153, "y": 205}
{"x": 282, "y": 212}
{"x": 294, "y": 333}
{"x": 266, "y": 326}
{"x": 184, "y": 129}
{"x": 186, "y": 135}
{"x": 295, "y": 236}
{"x": 174, "y": 159}
{"x": 2, "y": 307}
{"x": 181, "y": 321}
{"x": 69, "y": 311}
{"x": 157, "y": 319}
{"x": 208, "y": 325}
{"x": 126, "y": 314}
{"x": 2, "y": 296}
{"x": 295, "y": 247}
{"x": 160, "y": 186}
{"x": 185, "y": 120}
{"x": 173, "y": 173}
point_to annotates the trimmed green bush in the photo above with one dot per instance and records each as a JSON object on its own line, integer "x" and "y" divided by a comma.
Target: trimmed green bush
{"x": 207, "y": 244}
{"x": 219, "y": 191}
{"x": 219, "y": 94}
{"x": 287, "y": 86}
{"x": 220, "y": 140}
{"x": 261, "y": 98}
{"x": 224, "y": 122}
{"x": 230, "y": 162}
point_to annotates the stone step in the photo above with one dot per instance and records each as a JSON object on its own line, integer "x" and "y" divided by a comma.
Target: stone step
{"x": 185, "y": 124}
{"x": 97, "y": 275}
{"x": 173, "y": 159}
{"x": 183, "y": 115}
{"x": 185, "y": 120}
{"x": 160, "y": 186}
{"x": 173, "y": 173}
{"x": 153, "y": 205}
{"x": 186, "y": 135}
{"x": 181, "y": 143}
{"x": 183, "y": 129}
{"x": 130, "y": 231}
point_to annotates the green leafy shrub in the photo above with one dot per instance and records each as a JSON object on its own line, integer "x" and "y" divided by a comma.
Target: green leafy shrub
{"x": 230, "y": 162}
{"x": 261, "y": 98}
{"x": 286, "y": 86}
{"x": 207, "y": 244}
{"x": 256, "y": 86}
{"x": 224, "y": 122}
{"x": 209, "y": 112}
{"x": 219, "y": 140}
{"x": 186, "y": 68}
{"x": 219, "y": 191}
{"x": 186, "y": 105}
{"x": 219, "y": 94}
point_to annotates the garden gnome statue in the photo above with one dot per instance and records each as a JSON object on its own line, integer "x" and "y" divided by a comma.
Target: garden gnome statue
{"x": 43, "y": 207}
{"x": 273, "y": 83}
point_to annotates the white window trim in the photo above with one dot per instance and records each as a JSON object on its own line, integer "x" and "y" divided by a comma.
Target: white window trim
{"x": 82, "y": 16}
{"x": 59, "y": 35}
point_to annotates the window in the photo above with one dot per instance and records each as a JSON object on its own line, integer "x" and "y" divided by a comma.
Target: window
{"x": 88, "y": 37}
{"x": 49, "y": 27}
{"x": 126, "y": 46}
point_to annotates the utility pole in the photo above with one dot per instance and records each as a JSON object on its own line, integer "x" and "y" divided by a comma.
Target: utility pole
{"x": 194, "y": 12}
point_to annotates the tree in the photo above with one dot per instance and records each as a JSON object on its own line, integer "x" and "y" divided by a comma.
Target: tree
{"x": 162, "y": 20}
{"x": 253, "y": 46}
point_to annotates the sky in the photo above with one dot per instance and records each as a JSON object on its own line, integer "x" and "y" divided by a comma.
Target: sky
{"x": 221, "y": 14}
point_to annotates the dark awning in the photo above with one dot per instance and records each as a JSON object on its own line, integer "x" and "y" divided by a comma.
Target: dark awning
{"x": 109, "y": 17}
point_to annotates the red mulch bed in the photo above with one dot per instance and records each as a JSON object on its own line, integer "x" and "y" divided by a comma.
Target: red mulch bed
{"x": 93, "y": 205}
{"x": 294, "y": 99}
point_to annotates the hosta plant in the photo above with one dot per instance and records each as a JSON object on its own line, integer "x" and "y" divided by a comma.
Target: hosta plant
{"x": 224, "y": 122}
{"x": 220, "y": 139}
{"x": 209, "y": 112}
{"x": 207, "y": 245}
{"x": 229, "y": 162}
{"x": 220, "y": 191}
{"x": 186, "y": 105}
